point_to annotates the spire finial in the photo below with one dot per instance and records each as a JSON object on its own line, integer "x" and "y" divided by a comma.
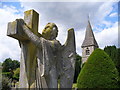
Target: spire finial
{"x": 88, "y": 17}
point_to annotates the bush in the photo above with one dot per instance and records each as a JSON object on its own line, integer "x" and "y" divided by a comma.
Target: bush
{"x": 98, "y": 72}
{"x": 8, "y": 74}
{"x": 16, "y": 74}
{"x": 6, "y": 82}
{"x": 77, "y": 67}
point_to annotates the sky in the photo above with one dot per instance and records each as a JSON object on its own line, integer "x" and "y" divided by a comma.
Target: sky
{"x": 103, "y": 18}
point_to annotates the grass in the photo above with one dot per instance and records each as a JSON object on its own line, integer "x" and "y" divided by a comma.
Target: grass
{"x": 74, "y": 85}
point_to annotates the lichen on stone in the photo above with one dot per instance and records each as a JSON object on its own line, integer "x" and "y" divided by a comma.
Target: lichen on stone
{"x": 46, "y": 33}
{"x": 27, "y": 13}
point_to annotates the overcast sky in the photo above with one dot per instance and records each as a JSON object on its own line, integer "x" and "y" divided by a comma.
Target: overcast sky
{"x": 103, "y": 18}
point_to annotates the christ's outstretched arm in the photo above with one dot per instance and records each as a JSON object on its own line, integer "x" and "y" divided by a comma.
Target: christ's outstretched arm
{"x": 34, "y": 38}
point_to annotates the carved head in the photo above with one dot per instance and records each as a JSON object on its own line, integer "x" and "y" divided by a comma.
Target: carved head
{"x": 50, "y": 31}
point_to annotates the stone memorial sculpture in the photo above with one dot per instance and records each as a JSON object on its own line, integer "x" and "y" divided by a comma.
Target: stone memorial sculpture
{"x": 44, "y": 60}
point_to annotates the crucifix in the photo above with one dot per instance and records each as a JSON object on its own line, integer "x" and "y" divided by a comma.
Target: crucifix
{"x": 44, "y": 60}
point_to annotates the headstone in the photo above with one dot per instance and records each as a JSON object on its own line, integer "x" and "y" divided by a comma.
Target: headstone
{"x": 43, "y": 59}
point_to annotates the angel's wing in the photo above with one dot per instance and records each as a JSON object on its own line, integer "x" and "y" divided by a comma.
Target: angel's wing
{"x": 68, "y": 61}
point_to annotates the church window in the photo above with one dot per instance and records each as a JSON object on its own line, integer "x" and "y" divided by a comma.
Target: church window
{"x": 87, "y": 51}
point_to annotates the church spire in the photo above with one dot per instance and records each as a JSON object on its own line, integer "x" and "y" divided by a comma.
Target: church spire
{"x": 89, "y": 37}
{"x": 89, "y": 44}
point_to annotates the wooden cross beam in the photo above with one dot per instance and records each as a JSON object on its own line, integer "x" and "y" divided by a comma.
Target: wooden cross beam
{"x": 28, "y": 49}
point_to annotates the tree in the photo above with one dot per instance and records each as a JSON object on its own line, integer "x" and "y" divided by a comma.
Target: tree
{"x": 5, "y": 83}
{"x": 15, "y": 64}
{"x": 118, "y": 63}
{"x": 7, "y": 65}
{"x": 16, "y": 74}
{"x": 114, "y": 53}
{"x": 0, "y": 64}
{"x": 118, "y": 60}
{"x": 10, "y": 64}
{"x": 98, "y": 72}
{"x": 77, "y": 67}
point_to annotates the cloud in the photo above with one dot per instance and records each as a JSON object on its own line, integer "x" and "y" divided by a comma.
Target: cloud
{"x": 9, "y": 47}
{"x": 69, "y": 14}
{"x": 66, "y": 15}
{"x": 108, "y": 36}
{"x": 67, "y": 0}
{"x": 113, "y": 14}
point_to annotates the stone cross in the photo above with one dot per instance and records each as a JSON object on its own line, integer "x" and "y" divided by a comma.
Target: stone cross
{"x": 43, "y": 59}
{"x": 28, "y": 49}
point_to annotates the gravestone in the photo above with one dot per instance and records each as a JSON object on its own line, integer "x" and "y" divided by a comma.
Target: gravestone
{"x": 43, "y": 59}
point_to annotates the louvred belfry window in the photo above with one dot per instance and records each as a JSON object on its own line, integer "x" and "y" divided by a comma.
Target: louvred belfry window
{"x": 87, "y": 51}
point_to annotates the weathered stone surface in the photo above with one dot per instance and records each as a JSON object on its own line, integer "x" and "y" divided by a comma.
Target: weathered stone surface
{"x": 31, "y": 18}
{"x": 28, "y": 54}
{"x": 54, "y": 58}
{"x": 16, "y": 31}
{"x": 68, "y": 60}
{"x": 89, "y": 44}
{"x": 89, "y": 37}
{"x": 43, "y": 58}
{"x": 28, "y": 49}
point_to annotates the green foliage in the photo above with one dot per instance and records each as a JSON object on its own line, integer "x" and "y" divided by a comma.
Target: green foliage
{"x": 10, "y": 69}
{"x": 74, "y": 85}
{"x": 98, "y": 72}
{"x": 118, "y": 60}
{"x": 119, "y": 82}
{"x": 15, "y": 64}
{"x": 114, "y": 53}
{"x": 83, "y": 64}
{"x": 5, "y": 83}
{"x": 0, "y": 64}
{"x": 118, "y": 64}
{"x": 8, "y": 74}
{"x": 7, "y": 65}
{"x": 77, "y": 67}
{"x": 16, "y": 74}
{"x": 10, "y": 64}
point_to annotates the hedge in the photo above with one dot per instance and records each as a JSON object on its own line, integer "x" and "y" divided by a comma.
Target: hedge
{"x": 98, "y": 72}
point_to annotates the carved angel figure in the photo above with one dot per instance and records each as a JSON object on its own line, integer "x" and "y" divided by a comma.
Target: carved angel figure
{"x": 52, "y": 61}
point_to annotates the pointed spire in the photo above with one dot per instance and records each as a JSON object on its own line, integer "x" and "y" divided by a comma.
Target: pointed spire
{"x": 89, "y": 37}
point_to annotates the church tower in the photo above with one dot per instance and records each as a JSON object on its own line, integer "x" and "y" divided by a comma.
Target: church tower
{"x": 89, "y": 44}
